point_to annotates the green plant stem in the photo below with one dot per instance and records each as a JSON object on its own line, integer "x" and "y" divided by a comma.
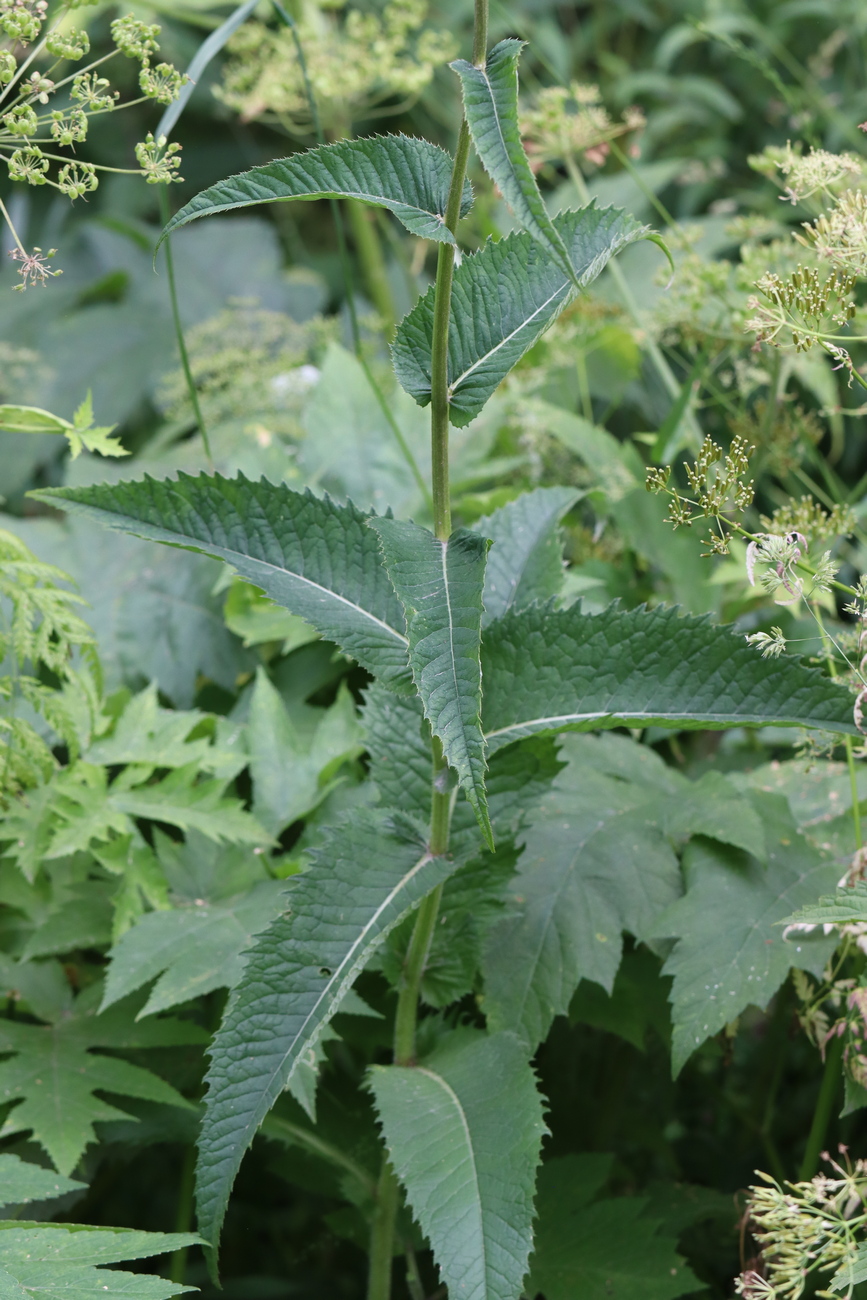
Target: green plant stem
{"x": 382, "y": 1235}
{"x": 847, "y": 740}
{"x": 663, "y": 369}
{"x": 165, "y": 214}
{"x": 373, "y": 266}
{"x": 817, "y": 1137}
{"x": 184, "y": 1215}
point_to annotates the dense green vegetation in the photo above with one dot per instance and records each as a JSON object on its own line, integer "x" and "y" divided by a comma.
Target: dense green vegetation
{"x": 438, "y": 870}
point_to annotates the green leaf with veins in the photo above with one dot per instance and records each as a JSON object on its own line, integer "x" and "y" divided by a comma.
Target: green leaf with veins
{"x": 525, "y": 562}
{"x": 316, "y": 558}
{"x": 490, "y": 96}
{"x": 440, "y": 587}
{"x": 596, "y": 861}
{"x": 60, "y": 1261}
{"x": 146, "y": 733}
{"x": 612, "y": 1249}
{"x": 409, "y": 177}
{"x": 469, "y": 1169}
{"x": 561, "y": 670}
{"x": 21, "y": 1183}
{"x": 364, "y": 879}
{"x": 731, "y": 953}
{"x": 847, "y": 907}
{"x": 54, "y": 1073}
{"x": 292, "y": 773}
{"x": 504, "y": 298}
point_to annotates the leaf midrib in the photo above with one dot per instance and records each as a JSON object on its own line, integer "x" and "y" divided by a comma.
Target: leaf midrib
{"x": 528, "y": 320}
{"x": 456, "y": 1103}
{"x": 684, "y": 716}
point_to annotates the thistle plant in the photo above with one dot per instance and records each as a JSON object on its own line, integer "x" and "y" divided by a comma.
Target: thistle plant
{"x": 473, "y": 672}
{"x": 46, "y": 107}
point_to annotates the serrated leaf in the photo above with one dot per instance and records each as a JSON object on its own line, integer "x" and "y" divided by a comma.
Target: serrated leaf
{"x": 193, "y": 949}
{"x": 731, "y": 952}
{"x": 409, "y": 177}
{"x": 54, "y": 1074}
{"x": 490, "y": 95}
{"x": 469, "y": 1169}
{"x": 59, "y": 1261}
{"x": 147, "y": 733}
{"x": 503, "y": 299}
{"x": 596, "y": 862}
{"x": 852, "y": 1272}
{"x": 364, "y": 880}
{"x": 847, "y": 906}
{"x": 610, "y": 1250}
{"x": 440, "y": 587}
{"x": 316, "y": 558}
{"x": 525, "y": 562}
{"x": 291, "y": 773}
{"x": 21, "y": 1183}
{"x": 561, "y": 670}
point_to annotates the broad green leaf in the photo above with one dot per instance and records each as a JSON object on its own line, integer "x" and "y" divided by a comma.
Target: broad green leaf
{"x": 561, "y": 670}
{"x": 440, "y": 587}
{"x": 59, "y": 1261}
{"x": 31, "y": 419}
{"x": 193, "y": 949}
{"x": 490, "y": 96}
{"x": 596, "y": 862}
{"x": 469, "y": 1166}
{"x": 612, "y": 1249}
{"x": 525, "y": 562}
{"x": 316, "y": 558}
{"x": 409, "y": 177}
{"x": 81, "y": 434}
{"x": 363, "y": 881}
{"x": 54, "y": 1074}
{"x": 146, "y": 733}
{"x": 21, "y": 1183}
{"x": 292, "y": 773}
{"x": 731, "y": 952}
{"x": 503, "y": 299}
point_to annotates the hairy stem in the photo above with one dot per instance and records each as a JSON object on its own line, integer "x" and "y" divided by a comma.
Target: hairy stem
{"x": 382, "y": 1234}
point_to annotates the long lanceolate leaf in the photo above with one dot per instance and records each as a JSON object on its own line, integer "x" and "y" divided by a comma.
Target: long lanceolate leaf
{"x": 408, "y": 177}
{"x": 317, "y": 558}
{"x": 440, "y": 586}
{"x": 504, "y": 298}
{"x": 525, "y": 563}
{"x": 364, "y": 881}
{"x": 491, "y": 109}
{"x": 560, "y": 670}
{"x": 463, "y": 1130}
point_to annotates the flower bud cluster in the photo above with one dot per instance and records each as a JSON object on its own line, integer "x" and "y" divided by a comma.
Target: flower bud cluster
{"x": 565, "y": 121}
{"x": 716, "y": 495}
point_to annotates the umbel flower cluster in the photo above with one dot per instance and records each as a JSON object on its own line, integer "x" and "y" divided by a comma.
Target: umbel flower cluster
{"x": 565, "y": 122}
{"x": 358, "y": 64}
{"x": 805, "y": 1228}
{"x": 46, "y": 107}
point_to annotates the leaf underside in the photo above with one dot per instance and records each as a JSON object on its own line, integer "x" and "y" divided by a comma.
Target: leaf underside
{"x": 408, "y": 177}
{"x": 440, "y": 586}
{"x": 561, "y": 670}
{"x": 365, "y": 879}
{"x": 469, "y": 1168}
{"x": 491, "y": 107}
{"x": 503, "y": 299}
{"x": 316, "y": 558}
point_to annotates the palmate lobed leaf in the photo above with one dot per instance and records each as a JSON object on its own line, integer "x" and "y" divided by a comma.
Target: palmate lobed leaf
{"x": 469, "y": 1168}
{"x": 440, "y": 587}
{"x": 365, "y": 879}
{"x": 550, "y": 670}
{"x": 503, "y": 299}
{"x": 316, "y": 558}
{"x": 731, "y": 952}
{"x": 490, "y": 96}
{"x": 60, "y": 1261}
{"x": 409, "y": 177}
{"x": 21, "y": 1182}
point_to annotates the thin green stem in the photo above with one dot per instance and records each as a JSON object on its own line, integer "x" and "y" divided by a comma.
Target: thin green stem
{"x": 817, "y": 1137}
{"x": 165, "y": 214}
{"x": 827, "y": 642}
{"x": 283, "y": 1130}
{"x": 184, "y": 1215}
{"x": 382, "y": 1235}
{"x": 369, "y": 251}
{"x": 6, "y": 217}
